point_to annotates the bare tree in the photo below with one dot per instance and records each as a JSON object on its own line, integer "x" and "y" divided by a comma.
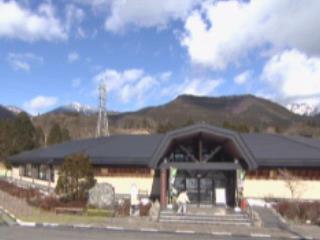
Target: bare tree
{"x": 293, "y": 183}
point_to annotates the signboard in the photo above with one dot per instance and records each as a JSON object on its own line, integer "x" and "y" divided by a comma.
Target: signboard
{"x": 221, "y": 196}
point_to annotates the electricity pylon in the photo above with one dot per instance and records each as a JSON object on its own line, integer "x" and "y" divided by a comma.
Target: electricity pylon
{"x": 102, "y": 123}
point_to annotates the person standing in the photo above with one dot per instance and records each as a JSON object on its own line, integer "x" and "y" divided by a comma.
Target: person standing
{"x": 182, "y": 201}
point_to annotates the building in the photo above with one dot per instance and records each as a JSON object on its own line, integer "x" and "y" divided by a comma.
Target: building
{"x": 215, "y": 165}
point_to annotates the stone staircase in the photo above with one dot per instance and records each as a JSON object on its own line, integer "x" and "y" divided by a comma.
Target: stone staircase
{"x": 220, "y": 216}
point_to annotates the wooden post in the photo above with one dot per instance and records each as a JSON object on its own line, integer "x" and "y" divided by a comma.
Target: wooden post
{"x": 163, "y": 188}
{"x": 33, "y": 172}
{"x": 200, "y": 149}
{"x": 48, "y": 177}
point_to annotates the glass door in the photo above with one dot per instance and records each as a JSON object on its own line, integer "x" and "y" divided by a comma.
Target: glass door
{"x": 192, "y": 190}
{"x": 200, "y": 190}
{"x": 206, "y": 191}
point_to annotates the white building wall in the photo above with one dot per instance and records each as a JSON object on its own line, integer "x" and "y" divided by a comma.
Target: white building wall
{"x": 303, "y": 189}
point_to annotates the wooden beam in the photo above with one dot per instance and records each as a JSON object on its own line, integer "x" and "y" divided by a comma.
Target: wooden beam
{"x": 212, "y": 154}
{"x": 186, "y": 151}
{"x": 202, "y": 166}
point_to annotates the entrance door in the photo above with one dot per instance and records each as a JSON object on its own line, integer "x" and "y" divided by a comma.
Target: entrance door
{"x": 192, "y": 189}
{"x": 206, "y": 191}
{"x": 200, "y": 190}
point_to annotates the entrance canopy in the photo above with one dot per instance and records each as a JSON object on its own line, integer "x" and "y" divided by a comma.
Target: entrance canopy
{"x": 203, "y": 147}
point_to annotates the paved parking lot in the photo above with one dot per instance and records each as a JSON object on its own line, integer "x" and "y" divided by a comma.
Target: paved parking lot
{"x": 27, "y": 233}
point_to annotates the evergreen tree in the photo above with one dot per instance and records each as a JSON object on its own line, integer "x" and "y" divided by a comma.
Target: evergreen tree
{"x": 6, "y": 139}
{"x": 57, "y": 135}
{"x": 76, "y": 177}
{"x": 165, "y": 127}
{"x": 189, "y": 122}
{"x": 54, "y": 136}
{"x": 17, "y": 135}
{"x": 65, "y": 135}
{"x": 40, "y": 136}
{"x": 24, "y": 134}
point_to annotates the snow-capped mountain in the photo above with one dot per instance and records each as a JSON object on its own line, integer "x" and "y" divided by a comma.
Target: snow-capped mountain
{"x": 303, "y": 109}
{"x": 75, "y": 107}
{"x": 15, "y": 110}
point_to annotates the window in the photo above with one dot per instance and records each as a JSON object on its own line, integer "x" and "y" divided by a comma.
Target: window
{"x": 42, "y": 172}
{"x": 28, "y": 170}
{"x": 22, "y": 171}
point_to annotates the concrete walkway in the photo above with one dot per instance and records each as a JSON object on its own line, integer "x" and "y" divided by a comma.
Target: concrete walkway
{"x": 268, "y": 218}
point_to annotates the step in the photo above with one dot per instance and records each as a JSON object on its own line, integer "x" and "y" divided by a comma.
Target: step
{"x": 242, "y": 223}
{"x": 205, "y": 213}
{"x": 204, "y": 216}
{"x": 197, "y": 216}
{"x": 203, "y": 219}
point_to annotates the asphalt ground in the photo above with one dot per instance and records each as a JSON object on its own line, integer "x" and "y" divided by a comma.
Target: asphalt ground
{"x": 63, "y": 233}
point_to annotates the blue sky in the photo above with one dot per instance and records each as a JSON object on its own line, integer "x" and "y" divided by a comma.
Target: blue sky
{"x": 148, "y": 52}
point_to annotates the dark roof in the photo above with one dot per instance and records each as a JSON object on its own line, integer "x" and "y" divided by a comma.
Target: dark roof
{"x": 258, "y": 150}
{"x": 118, "y": 150}
{"x": 272, "y": 150}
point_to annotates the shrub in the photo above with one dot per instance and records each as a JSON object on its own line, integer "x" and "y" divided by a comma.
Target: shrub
{"x": 300, "y": 211}
{"x": 75, "y": 177}
{"x": 144, "y": 209}
{"x": 123, "y": 208}
{"x": 49, "y": 203}
{"x": 16, "y": 191}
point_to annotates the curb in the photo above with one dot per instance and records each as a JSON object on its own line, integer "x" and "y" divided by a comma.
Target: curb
{"x": 146, "y": 230}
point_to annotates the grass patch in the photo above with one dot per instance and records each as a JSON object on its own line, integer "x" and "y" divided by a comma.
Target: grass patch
{"x": 94, "y": 212}
{"x": 63, "y": 218}
{"x": 1, "y": 220}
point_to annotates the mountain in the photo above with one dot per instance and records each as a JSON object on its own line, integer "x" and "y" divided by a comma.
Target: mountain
{"x": 303, "y": 109}
{"x": 5, "y": 113}
{"x": 15, "y": 110}
{"x": 248, "y": 109}
{"x": 75, "y": 108}
{"x": 252, "y": 111}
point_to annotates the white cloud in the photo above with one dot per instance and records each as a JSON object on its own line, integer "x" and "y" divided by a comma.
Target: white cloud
{"x": 73, "y": 56}
{"x": 96, "y": 4}
{"x": 146, "y": 13}
{"x": 200, "y": 87}
{"x": 128, "y": 84}
{"x": 74, "y": 19}
{"x": 21, "y": 23}
{"x": 243, "y": 77}
{"x": 23, "y": 61}
{"x": 135, "y": 87}
{"x": 222, "y": 32}
{"x": 137, "y": 90}
{"x": 195, "y": 86}
{"x": 293, "y": 76}
{"x": 165, "y": 76}
{"x": 40, "y": 103}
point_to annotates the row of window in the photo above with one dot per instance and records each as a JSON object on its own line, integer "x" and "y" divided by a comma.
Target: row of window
{"x": 37, "y": 171}
{"x": 122, "y": 171}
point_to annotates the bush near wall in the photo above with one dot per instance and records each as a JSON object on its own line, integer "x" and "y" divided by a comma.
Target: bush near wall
{"x": 301, "y": 212}
{"x": 34, "y": 198}
{"x": 16, "y": 191}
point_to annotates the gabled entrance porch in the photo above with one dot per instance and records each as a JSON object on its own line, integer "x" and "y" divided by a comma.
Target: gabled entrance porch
{"x": 205, "y": 161}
